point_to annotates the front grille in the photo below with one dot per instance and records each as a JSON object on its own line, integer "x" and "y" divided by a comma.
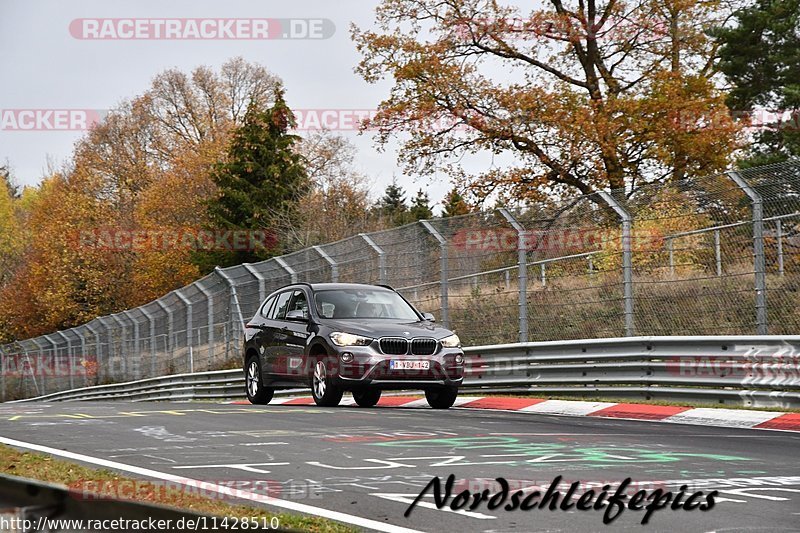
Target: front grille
{"x": 394, "y": 346}
{"x": 423, "y": 346}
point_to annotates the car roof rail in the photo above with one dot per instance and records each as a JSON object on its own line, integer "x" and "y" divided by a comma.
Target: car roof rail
{"x": 386, "y": 286}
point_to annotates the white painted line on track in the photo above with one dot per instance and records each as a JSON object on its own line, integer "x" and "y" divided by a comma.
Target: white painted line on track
{"x": 220, "y": 489}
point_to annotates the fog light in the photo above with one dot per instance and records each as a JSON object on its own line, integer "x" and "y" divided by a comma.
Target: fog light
{"x": 459, "y": 358}
{"x": 346, "y": 357}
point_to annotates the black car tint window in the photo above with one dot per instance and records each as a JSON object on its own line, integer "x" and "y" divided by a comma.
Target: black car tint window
{"x": 266, "y": 307}
{"x": 279, "y": 310}
{"x": 299, "y": 303}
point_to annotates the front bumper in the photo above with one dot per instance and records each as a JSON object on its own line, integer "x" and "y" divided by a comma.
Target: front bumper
{"x": 371, "y": 369}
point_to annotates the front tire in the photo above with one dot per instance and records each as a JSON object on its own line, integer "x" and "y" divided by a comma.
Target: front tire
{"x": 443, "y": 398}
{"x": 367, "y": 398}
{"x": 324, "y": 391}
{"x": 257, "y": 393}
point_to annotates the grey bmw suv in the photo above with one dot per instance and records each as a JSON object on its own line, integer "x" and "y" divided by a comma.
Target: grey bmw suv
{"x": 337, "y": 337}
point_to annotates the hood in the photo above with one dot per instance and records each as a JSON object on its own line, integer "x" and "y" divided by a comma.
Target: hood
{"x": 388, "y": 328}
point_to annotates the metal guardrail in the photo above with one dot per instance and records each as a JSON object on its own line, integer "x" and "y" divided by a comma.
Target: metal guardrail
{"x": 752, "y": 371}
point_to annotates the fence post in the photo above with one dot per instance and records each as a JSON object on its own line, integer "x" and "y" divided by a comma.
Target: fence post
{"x": 262, "y": 288}
{"x": 235, "y": 307}
{"x": 522, "y": 260}
{"x": 717, "y": 253}
{"x": 381, "y": 257}
{"x": 152, "y": 323}
{"x": 122, "y": 340}
{"x": 210, "y": 318}
{"x": 2, "y": 373}
{"x": 444, "y": 306}
{"x": 289, "y": 270}
{"x": 70, "y": 368}
{"x": 35, "y": 341}
{"x": 97, "y": 348}
{"x": 188, "y": 303}
{"x": 627, "y": 261}
{"x": 137, "y": 355}
{"x": 779, "y": 236}
{"x": 168, "y": 345}
{"x": 759, "y": 263}
{"x": 334, "y": 267}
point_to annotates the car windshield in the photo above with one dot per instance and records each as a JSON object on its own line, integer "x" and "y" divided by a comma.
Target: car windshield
{"x": 363, "y": 303}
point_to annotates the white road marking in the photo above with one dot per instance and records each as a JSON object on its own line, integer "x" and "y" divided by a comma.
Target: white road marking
{"x": 220, "y": 489}
{"x": 249, "y": 467}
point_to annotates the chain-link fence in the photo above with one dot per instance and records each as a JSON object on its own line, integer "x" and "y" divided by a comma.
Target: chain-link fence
{"x": 719, "y": 255}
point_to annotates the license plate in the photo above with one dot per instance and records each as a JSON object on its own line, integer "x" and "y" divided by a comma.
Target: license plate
{"x": 409, "y": 365}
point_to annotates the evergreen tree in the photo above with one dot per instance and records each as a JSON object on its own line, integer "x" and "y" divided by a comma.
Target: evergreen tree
{"x": 454, "y": 204}
{"x": 420, "y": 207}
{"x": 393, "y": 204}
{"x": 259, "y": 184}
{"x": 760, "y": 55}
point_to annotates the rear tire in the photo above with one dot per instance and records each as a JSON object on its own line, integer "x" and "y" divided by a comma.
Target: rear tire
{"x": 257, "y": 393}
{"x": 324, "y": 391}
{"x": 443, "y": 398}
{"x": 367, "y": 398}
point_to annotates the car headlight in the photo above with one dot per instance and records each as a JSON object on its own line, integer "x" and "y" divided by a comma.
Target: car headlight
{"x": 348, "y": 339}
{"x": 451, "y": 342}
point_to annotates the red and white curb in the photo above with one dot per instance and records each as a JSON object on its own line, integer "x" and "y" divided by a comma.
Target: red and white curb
{"x": 734, "y": 418}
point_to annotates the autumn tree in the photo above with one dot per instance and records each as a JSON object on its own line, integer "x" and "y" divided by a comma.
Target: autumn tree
{"x": 760, "y": 55}
{"x": 580, "y": 95}
{"x": 337, "y": 204}
{"x": 454, "y": 204}
{"x": 259, "y": 184}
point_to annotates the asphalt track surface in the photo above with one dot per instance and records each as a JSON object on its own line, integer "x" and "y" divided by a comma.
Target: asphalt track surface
{"x": 371, "y": 463}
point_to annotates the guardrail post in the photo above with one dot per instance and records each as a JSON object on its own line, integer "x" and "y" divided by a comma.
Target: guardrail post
{"x": 289, "y": 270}
{"x": 444, "y": 306}
{"x": 188, "y": 303}
{"x": 381, "y": 257}
{"x": 627, "y": 261}
{"x": 522, "y": 260}
{"x": 779, "y": 236}
{"x": 210, "y": 305}
{"x": 328, "y": 259}
{"x": 759, "y": 263}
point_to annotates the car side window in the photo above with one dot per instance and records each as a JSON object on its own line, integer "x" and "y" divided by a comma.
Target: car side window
{"x": 266, "y": 307}
{"x": 279, "y": 309}
{"x": 299, "y": 303}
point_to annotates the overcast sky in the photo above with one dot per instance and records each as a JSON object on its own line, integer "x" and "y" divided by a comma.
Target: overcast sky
{"x": 44, "y": 66}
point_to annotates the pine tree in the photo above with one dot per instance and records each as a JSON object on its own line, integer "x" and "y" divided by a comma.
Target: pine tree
{"x": 420, "y": 207}
{"x": 393, "y": 204}
{"x": 760, "y": 56}
{"x": 259, "y": 184}
{"x": 454, "y": 204}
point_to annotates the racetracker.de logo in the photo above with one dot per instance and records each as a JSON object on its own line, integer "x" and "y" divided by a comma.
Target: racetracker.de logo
{"x": 49, "y": 119}
{"x": 191, "y": 29}
{"x": 138, "y": 240}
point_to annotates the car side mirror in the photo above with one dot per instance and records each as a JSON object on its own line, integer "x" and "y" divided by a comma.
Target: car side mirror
{"x": 296, "y": 315}
{"x": 429, "y": 317}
